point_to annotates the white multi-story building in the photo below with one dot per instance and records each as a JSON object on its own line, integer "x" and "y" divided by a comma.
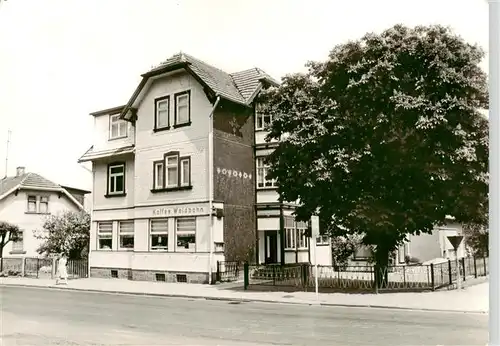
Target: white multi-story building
{"x": 179, "y": 182}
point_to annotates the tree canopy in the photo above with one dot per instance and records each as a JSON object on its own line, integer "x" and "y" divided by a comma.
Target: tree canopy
{"x": 386, "y": 137}
{"x": 8, "y": 232}
{"x": 66, "y": 233}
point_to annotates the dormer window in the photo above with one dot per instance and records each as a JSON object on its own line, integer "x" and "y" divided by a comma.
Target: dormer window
{"x": 117, "y": 127}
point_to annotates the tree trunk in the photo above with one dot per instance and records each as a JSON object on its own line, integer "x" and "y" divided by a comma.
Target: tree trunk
{"x": 381, "y": 274}
{"x": 1, "y": 257}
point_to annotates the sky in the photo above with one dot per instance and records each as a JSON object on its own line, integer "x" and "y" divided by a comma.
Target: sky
{"x": 62, "y": 59}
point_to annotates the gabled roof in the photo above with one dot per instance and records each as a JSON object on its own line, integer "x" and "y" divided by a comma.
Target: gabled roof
{"x": 240, "y": 87}
{"x": 32, "y": 181}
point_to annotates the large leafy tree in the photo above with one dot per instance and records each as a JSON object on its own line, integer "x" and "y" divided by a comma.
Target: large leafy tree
{"x": 385, "y": 138}
{"x": 67, "y": 233}
{"x": 8, "y": 233}
{"x": 343, "y": 248}
{"x": 476, "y": 239}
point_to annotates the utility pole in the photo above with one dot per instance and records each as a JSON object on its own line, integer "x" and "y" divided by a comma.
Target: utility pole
{"x": 9, "y": 132}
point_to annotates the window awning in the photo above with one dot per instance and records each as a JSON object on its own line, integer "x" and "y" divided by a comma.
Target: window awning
{"x": 92, "y": 155}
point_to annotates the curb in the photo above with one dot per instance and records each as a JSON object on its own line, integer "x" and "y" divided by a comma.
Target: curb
{"x": 243, "y": 300}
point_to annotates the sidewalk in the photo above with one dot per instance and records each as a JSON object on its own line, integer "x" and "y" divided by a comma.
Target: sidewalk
{"x": 470, "y": 299}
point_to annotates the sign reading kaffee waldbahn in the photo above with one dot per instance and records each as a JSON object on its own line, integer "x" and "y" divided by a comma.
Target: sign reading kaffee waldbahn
{"x": 178, "y": 211}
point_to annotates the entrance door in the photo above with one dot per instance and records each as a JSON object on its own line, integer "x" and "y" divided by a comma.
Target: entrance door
{"x": 271, "y": 247}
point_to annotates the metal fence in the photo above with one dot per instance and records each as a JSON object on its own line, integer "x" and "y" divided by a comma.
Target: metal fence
{"x": 36, "y": 267}
{"x": 301, "y": 277}
{"x": 229, "y": 271}
{"x": 42, "y": 267}
{"x": 76, "y": 268}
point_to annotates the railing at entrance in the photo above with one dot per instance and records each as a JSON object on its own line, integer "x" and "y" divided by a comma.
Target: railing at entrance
{"x": 229, "y": 271}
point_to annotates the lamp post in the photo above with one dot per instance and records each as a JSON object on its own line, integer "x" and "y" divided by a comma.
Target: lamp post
{"x": 314, "y": 235}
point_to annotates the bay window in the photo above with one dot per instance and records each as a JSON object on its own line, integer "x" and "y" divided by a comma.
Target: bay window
{"x": 262, "y": 172}
{"x": 295, "y": 234}
{"x": 262, "y": 119}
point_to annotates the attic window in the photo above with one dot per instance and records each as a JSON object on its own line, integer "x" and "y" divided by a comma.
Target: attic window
{"x": 182, "y": 108}
{"x": 31, "y": 204}
{"x": 44, "y": 204}
{"x": 117, "y": 127}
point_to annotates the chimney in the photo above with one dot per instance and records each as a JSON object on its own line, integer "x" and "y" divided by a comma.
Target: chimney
{"x": 19, "y": 171}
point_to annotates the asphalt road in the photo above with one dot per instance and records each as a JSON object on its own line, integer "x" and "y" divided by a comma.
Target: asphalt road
{"x": 31, "y": 316}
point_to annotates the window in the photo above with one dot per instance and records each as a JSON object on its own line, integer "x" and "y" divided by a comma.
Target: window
{"x": 363, "y": 253}
{"x": 182, "y": 108}
{"x": 31, "y": 204}
{"x": 295, "y": 234}
{"x": 302, "y": 239}
{"x": 18, "y": 245}
{"x": 162, "y": 120}
{"x": 126, "y": 234}
{"x": 44, "y": 204}
{"x": 105, "y": 235}
{"x": 171, "y": 173}
{"x": 159, "y": 234}
{"x": 323, "y": 240}
{"x": 261, "y": 119}
{"x": 262, "y": 171}
{"x": 116, "y": 179}
{"x": 290, "y": 233}
{"x": 159, "y": 174}
{"x": 185, "y": 172}
{"x": 117, "y": 127}
{"x": 38, "y": 204}
{"x": 185, "y": 234}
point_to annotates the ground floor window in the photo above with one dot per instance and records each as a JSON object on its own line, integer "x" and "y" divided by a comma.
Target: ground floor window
{"x": 158, "y": 235}
{"x": 322, "y": 240}
{"x": 18, "y": 245}
{"x": 302, "y": 238}
{"x": 295, "y": 234}
{"x": 363, "y": 253}
{"x": 185, "y": 231}
{"x": 126, "y": 234}
{"x": 290, "y": 234}
{"x": 105, "y": 235}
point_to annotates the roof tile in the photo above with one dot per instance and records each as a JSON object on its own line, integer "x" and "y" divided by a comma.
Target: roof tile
{"x": 35, "y": 180}
{"x": 27, "y": 180}
{"x": 237, "y": 87}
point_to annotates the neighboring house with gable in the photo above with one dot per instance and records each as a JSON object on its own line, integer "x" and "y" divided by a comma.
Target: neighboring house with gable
{"x": 175, "y": 186}
{"x": 26, "y": 200}
{"x": 422, "y": 247}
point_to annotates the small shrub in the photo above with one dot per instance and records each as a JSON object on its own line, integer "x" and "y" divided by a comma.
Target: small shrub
{"x": 412, "y": 260}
